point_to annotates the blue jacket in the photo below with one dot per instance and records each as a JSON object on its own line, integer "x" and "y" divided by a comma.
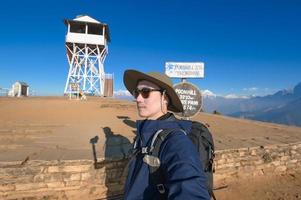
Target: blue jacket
{"x": 184, "y": 177}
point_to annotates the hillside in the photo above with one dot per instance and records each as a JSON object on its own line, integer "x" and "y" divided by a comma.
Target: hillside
{"x": 281, "y": 107}
{"x": 289, "y": 114}
{"x": 57, "y": 128}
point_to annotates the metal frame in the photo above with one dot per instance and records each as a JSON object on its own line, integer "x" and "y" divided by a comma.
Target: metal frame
{"x": 86, "y": 68}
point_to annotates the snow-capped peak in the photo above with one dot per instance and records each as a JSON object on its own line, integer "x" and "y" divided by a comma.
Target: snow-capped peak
{"x": 234, "y": 96}
{"x": 122, "y": 93}
{"x": 208, "y": 94}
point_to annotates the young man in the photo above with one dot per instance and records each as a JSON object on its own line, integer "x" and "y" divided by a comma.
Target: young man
{"x": 179, "y": 161}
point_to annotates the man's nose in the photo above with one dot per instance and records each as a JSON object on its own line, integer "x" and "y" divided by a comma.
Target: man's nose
{"x": 139, "y": 98}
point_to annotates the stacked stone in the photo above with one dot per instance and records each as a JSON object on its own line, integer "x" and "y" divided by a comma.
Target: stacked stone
{"x": 83, "y": 179}
{"x": 61, "y": 179}
{"x": 245, "y": 162}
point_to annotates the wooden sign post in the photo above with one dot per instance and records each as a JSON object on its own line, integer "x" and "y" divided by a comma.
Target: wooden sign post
{"x": 189, "y": 94}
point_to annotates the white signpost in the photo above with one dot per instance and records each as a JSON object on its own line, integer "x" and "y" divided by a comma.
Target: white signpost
{"x": 188, "y": 93}
{"x": 184, "y": 69}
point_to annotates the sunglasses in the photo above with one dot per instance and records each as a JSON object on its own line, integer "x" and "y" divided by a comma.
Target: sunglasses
{"x": 144, "y": 92}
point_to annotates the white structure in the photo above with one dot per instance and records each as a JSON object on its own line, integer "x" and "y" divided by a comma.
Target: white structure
{"x": 19, "y": 89}
{"x": 87, "y": 46}
{"x": 4, "y": 91}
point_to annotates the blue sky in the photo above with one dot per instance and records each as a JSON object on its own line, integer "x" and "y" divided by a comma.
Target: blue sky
{"x": 248, "y": 47}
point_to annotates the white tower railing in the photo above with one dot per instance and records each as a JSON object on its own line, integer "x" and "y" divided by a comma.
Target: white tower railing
{"x": 86, "y": 45}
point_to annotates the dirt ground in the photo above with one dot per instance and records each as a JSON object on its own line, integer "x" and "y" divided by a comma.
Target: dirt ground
{"x": 55, "y": 128}
{"x": 276, "y": 187}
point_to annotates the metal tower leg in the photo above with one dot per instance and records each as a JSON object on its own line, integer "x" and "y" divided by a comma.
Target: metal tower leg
{"x": 86, "y": 68}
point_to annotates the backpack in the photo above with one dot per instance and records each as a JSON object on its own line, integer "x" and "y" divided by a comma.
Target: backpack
{"x": 200, "y": 137}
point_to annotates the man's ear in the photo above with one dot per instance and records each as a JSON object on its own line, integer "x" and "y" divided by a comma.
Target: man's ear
{"x": 165, "y": 97}
{"x": 166, "y": 100}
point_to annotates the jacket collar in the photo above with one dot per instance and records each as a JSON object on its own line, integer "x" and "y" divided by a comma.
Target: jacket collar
{"x": 147, "y": 128}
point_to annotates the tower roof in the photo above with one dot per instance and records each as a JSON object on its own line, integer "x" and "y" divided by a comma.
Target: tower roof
{"x": 85, "y": 19}
{"x": 22, "y": 83}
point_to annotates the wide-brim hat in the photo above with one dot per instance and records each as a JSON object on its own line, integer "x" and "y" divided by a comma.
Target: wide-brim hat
{"x": 131, "y": 79}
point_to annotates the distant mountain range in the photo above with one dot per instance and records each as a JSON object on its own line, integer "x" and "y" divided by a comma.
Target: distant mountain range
{"x": 123, "y": 94}
{"x": 283, "y": 107}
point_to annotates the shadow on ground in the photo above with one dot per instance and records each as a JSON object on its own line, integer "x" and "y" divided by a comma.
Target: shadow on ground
{"x": 116, "y": 148}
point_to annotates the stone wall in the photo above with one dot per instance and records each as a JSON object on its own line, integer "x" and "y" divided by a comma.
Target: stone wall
{"x": 82, "y": 179}
{"x": 75, "y": 179}
{"x": 245, "y": 162}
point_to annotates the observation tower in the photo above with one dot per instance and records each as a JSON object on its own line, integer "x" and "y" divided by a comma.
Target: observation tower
{"x": 87, "y": 47}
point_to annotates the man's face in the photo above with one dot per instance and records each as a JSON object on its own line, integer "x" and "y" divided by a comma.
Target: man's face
{"x": 150, "y": 107}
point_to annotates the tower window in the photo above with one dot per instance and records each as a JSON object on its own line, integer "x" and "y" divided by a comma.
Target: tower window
{"x": 77, "y": 28}
{"x": 95, "y": 29}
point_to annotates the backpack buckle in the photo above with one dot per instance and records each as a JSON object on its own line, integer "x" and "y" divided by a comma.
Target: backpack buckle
{"x": 144, "y": 150}
{"x": 161, "y": 188}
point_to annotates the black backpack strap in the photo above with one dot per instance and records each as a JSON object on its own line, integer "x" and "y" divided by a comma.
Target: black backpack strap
{"x": 134, "y": 151}
{"x": 156, "y": 174}
{"x": 212, "y": 194}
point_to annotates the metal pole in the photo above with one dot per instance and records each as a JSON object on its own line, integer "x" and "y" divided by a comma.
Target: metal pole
{"x": 184, "y": 80}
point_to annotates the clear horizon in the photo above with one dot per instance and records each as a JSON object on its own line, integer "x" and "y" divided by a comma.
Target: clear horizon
{"x": 249, "y": 47}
